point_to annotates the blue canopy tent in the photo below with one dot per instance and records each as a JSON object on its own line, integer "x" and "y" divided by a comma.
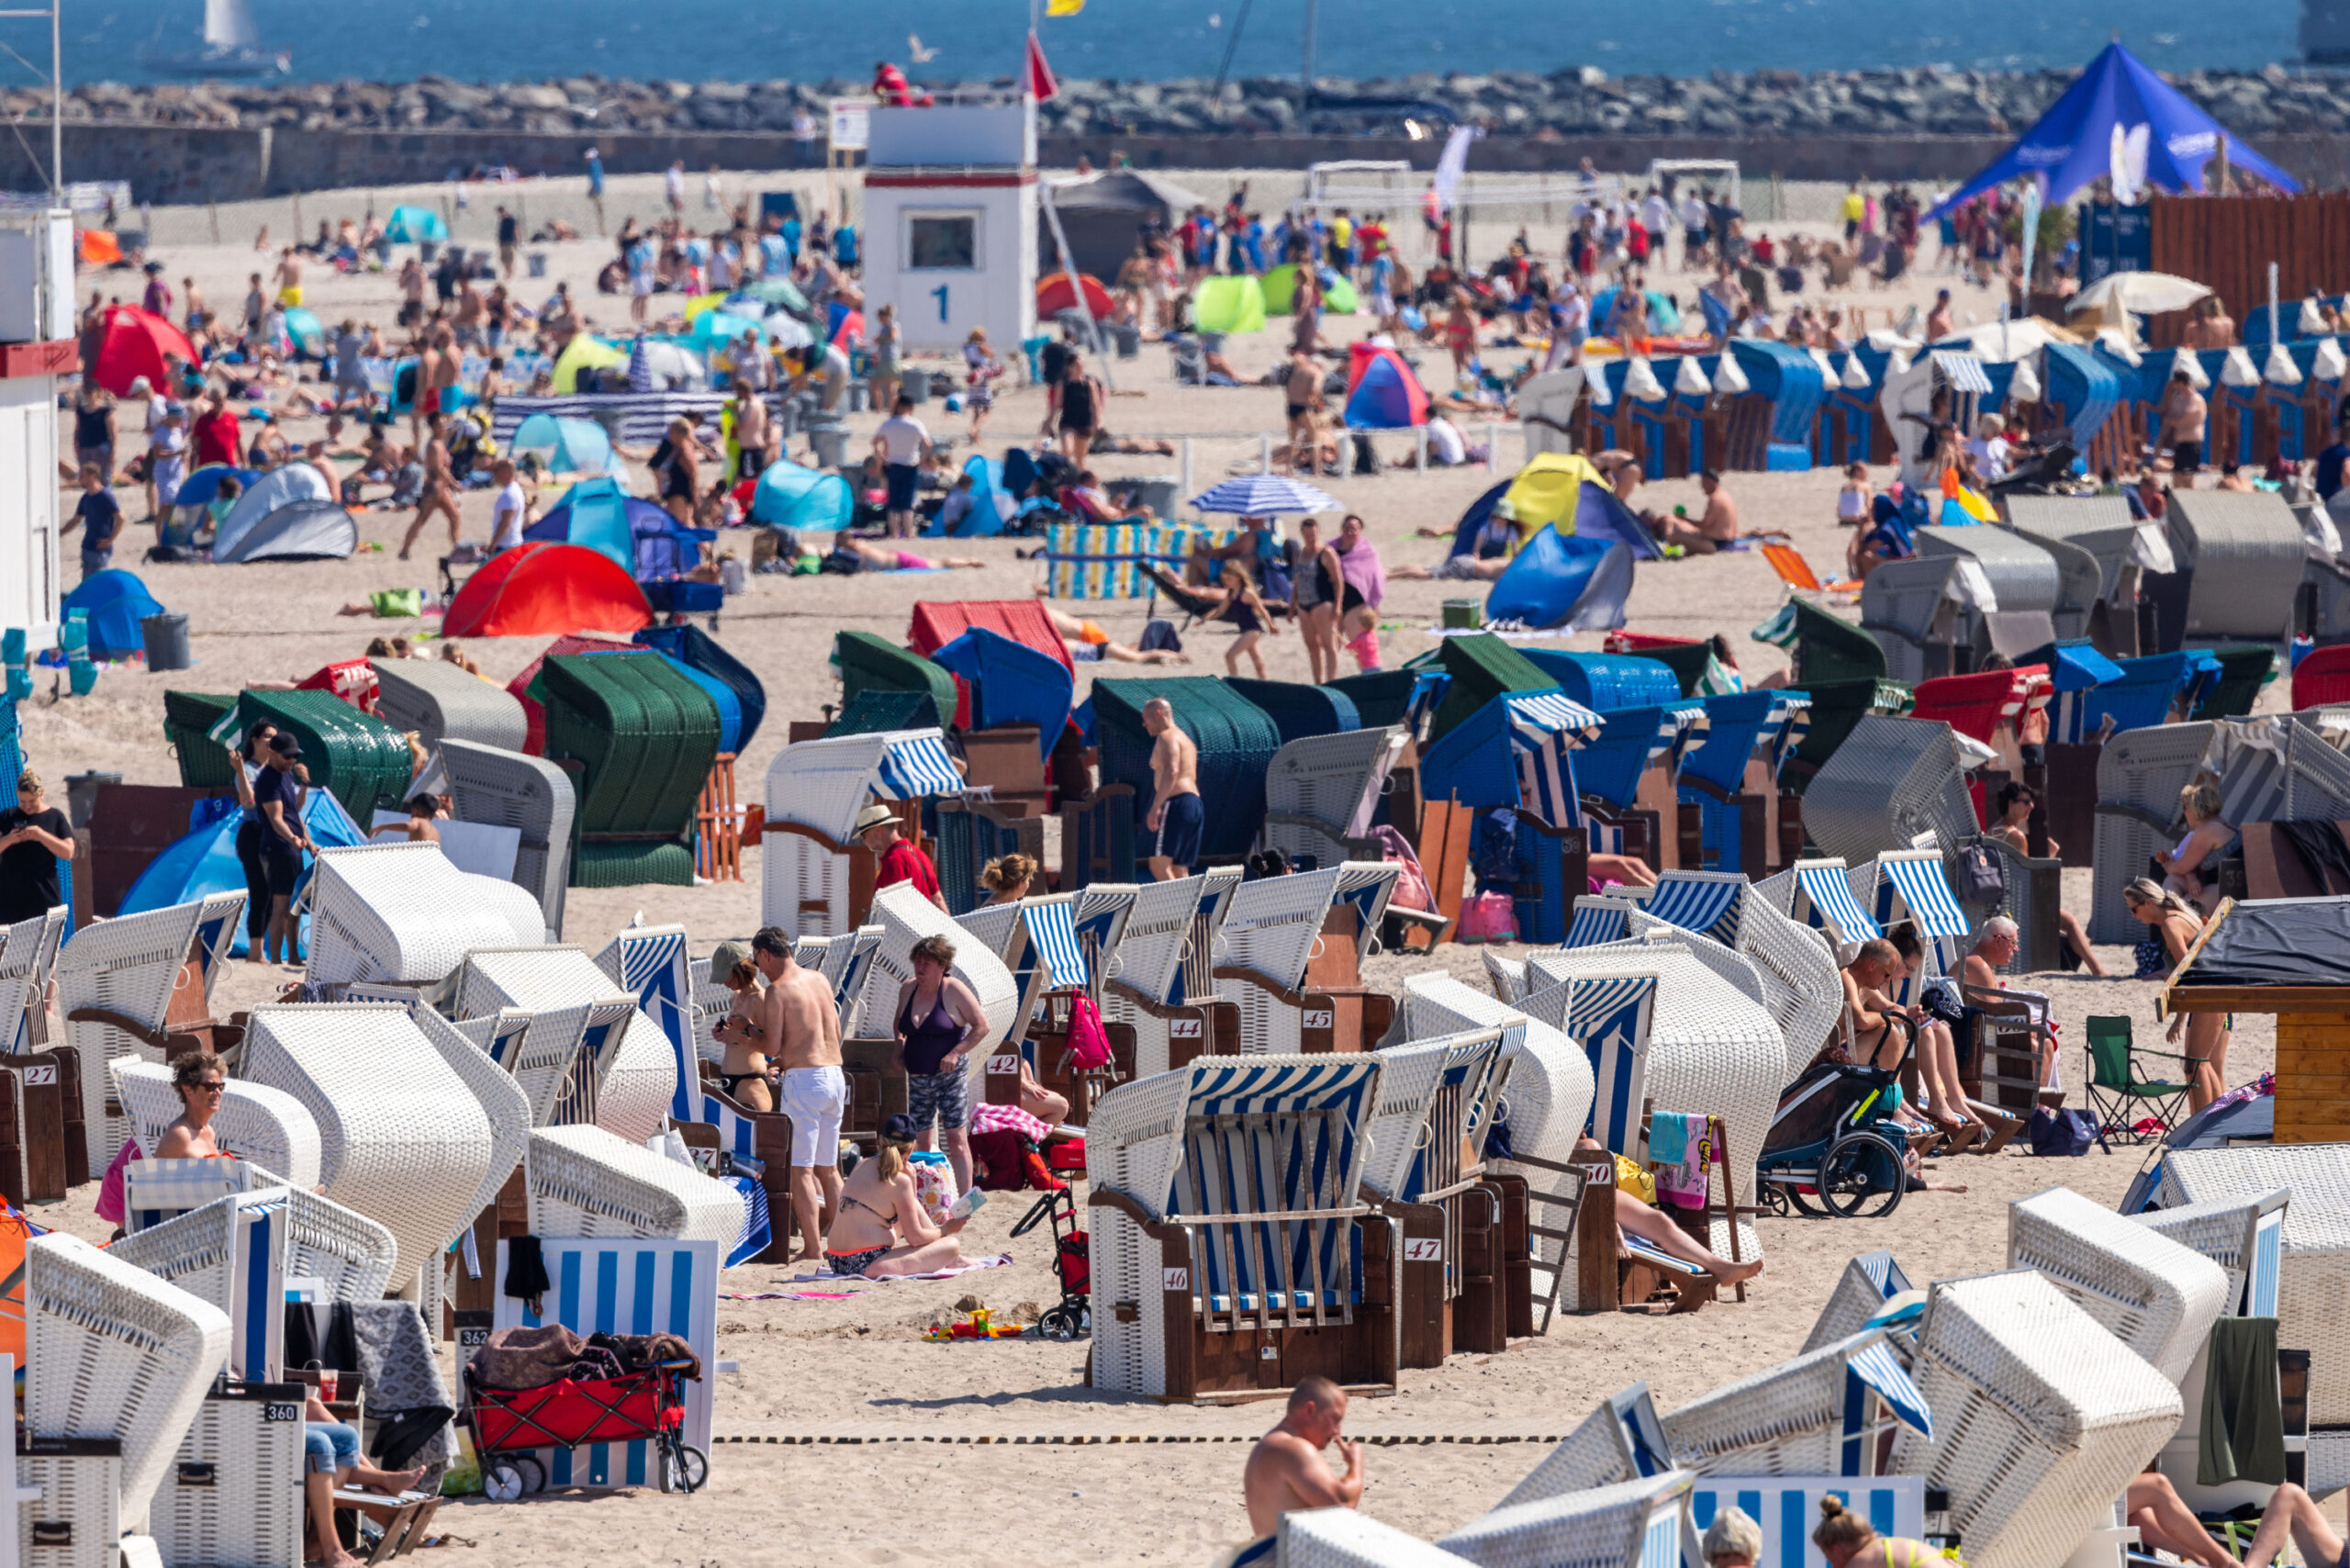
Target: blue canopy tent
{"x": 992, "y": 505}
{"x": 1011, "y": 683}
{"x": 205, "y": 861}
{"x": 2073, "y": 143}
{"x": 415, "y": 225}
{"x": 803, "y": 500}
{"x": 598, "y": 514}
{"x": 580, "y": 446}
{"x": 1600, "y": 513}
{"x": 115, "y": 602}
{"x": 1577, "y": 583}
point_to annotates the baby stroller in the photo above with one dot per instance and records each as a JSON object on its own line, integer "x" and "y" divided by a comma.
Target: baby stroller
{"x": 1829, "y": 1151}
{"x": 1072, "y": 1317}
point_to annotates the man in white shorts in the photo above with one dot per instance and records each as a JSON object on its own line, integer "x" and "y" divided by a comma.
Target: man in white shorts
{"x": 803, "y": 1032}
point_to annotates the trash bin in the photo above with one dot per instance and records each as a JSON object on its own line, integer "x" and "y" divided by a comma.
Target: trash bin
{"x": 82, "y": 793}
{"x": 831, "y": 442}
{"x": 914, "y": 383}
{"x": 1129, "y": 340}
{"x": 166, "y": 638}
{"x": 537, "y": 260}
{"x": 428, "y": 250}
{"x": 1160, "y": 492}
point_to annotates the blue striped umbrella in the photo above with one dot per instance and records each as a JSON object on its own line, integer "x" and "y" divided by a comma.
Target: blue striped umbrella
{"x": 1263, "y": 495}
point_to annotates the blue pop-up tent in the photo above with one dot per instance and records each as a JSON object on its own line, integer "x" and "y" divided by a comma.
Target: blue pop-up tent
{"x": 1600, "y": 513}
{"x": 804, "y": 500}
{"x": 413, "y": 225}
{"x": 1579, "y": 583}
{"x": 115, "y": 602}
{"x": 205, "y": 861}
{"x": 2073, "y": 143}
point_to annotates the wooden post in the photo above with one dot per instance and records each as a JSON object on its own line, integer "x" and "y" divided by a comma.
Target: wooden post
{"x": 1595, "y": 1282}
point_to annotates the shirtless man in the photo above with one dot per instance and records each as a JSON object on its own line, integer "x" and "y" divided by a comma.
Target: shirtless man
{"x": 797, "y": 1016}
{"x": 1302, "y": 389}
{"x": 440, "y": 492}
{"x": 1868, "y": 1005}
{"x": 1177, "y": 814}
{"x": 421, "y": 406}
{"x": 1285, "y": 1472}
{"x": 446, "y": 367}
{"x": 289, "y": 277}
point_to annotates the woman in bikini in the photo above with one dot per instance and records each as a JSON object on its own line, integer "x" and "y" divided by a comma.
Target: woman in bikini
{"x": 1249, "y": 616}
{"x": 201, "y": 1080}
{"x": 2178, "y": 922}
{"x": 2184, "y": 864}
{"x": 877, "y": 1206}
{"x": 744, "y": 1073}
{"x": 1848, "y": 1541}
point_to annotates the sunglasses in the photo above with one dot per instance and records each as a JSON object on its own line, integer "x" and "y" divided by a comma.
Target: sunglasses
{"x": 209, "y": 1086}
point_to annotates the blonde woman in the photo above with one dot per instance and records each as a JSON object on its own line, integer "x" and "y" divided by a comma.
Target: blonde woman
{"x": 1007, "y": 878}
{"x": 877, "y": 1206}
{"x": 2190, "y": 865}
{"x": 1848, "y": 1541}
{"x": 2178, "y": 922}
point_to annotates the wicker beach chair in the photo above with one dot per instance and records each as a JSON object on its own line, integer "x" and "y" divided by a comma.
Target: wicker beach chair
{"x": 441, "y": 702}
{"x": 993, "y": 926}
{"x": 1868, "y": 1282}
{"x": 815, "y": 875}
{"x": 124, "y": 986}
{"x": 1641, "y": 927}
{"x": 1061, "y": 947}
{"x": 111, "y": 1351}
{"x": 591, "y": 1055}
{"x": 1280, "y": 935}
{"x": 2080, "y": 585}
{"x": 2025, "y": 579}
{"x": 1507, "y": 976}
{"x": 2102, "y": 527}
{"x": 2245, "y": 552}
{"x": 254, "y": 1122}
{"x": 2041, "y": 1417}
{"x": 906, "y": 917}
{"x": 2153, "y": 1294}
{"x": 1912, "y": 609}
{"x": 1226, "y": 1217}
{"x": 1891, "y": 780}
{"x": 1632, "y": 1524}
{"x": 649, "y": 962}
{"x": 1321, "y": 792}
{"x": 402, "y": 1138}
{"x": 1437, "y": 1096}
{"x": 529, "y": 794}
{"x": 583, "y": 1181}
{"x": 502, "y": 1101}
{"x": 1621, "y": 1440}
{"x": 239, "y": 1250}
{"x": 403, "y": 913}
{"x": 1344, "y": 1538}
{"x": 27, "y": 959}
{"x": 1543, "y": 1104}
{"x": 1824, "y": 1413}
{"x": 2139, "y": 775}
{"x": 2032, "y": 895}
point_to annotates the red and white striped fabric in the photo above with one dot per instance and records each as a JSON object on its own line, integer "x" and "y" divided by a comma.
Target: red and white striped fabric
{"x": 1008, "y": 1119}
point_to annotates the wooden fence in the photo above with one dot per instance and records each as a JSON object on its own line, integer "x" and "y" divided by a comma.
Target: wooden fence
{"x": 2228, "y": 242}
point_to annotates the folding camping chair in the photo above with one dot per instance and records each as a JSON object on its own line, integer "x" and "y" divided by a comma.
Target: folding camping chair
{"x": 2120, "y": 1098}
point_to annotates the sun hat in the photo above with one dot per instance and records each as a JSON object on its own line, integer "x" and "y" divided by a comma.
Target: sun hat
{"x": 873, "y": 817}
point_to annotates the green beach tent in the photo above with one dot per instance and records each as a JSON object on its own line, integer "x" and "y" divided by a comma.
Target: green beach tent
{"x": 1229, "y": 305}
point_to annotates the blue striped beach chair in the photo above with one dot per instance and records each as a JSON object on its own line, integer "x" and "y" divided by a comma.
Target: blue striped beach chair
{"x": 1632, "y": 1524}
{"x": 649, "y": 962}
{"x": 1159, "y": 982}
{"x": 1819, "y": 1414}
{"x": 1274, "y": 928}
{"x": 1733, "y": 778}
{"x": 1599, "y": 920}
{"x": 1707, "y": 902}
{"x": 626, "y": 1285}
{"x": 1226, "y": 1210}
{"x": 1787, "y": 1507}
{"x": 1824, "y": 901}
{"x": 1868, "y": 1282}
{"x": 1455, "y": 1280}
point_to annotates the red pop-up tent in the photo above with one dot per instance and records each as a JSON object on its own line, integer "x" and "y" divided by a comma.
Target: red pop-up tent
{"x": 1056, "y": 293}
{"x": 1382, "y": 391}
{"x": 138, "y": 342}
{"x": 535, "y": 590}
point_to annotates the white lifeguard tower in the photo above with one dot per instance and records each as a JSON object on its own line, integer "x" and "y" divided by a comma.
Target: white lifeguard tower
{"x": 37, "y": 346}
{"x": 950, "y": 221}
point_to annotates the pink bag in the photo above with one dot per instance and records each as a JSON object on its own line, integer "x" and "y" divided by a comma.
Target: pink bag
{"x": 1089, "y": 1043}
{"x": 1488, "y": 917}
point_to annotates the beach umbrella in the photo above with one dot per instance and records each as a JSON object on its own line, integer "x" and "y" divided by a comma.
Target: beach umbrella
{"x": 2140, "y": 294}
{"x": 414, "y": 226}
{"x": 1056, "y": 293}
{"x": 701, "y": 304}
{"x": 138, "y": 342}
{"x": 579, "y": 446}
{"x": 1263, "y": 495}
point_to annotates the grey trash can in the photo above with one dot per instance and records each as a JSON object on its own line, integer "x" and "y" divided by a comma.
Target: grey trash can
{"x": 914, "y": 384}
{"x": 1160, "y": 492}
{"x": 82, "y": 793}
{"x": 1129, "y": 340}
{"x": 831, "y": 442}
{"x": 428, "y": 250}
{"x": 166, "y": 638}
{"x": 537, "y": 261}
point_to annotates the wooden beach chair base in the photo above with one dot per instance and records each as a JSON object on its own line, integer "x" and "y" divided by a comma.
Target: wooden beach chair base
{"x": 403, "y": 1519}
{"x": 1654, "y": 1283}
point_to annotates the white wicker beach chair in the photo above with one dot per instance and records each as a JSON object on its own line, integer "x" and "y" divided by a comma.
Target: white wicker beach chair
{"x": 403, "y": 1138}
{"x": 233, "y": 1493}
{"x": 441, "y": 702}
{"x": 239, "y": 1250}
{"x": 1868, "y": 1282}
{"x": 1824, "y": 1413}
{"x": 1891, "y": 780}
{"x": 814, "y": 790}
{"x": 27, "y": 957}
{"x": 503, "y": 1103}
{"x": 256, "y": 1123}
{"x": 992, "y": 926}
{"x": 2139, "y": 775}
{"x": 113, "y": 1352}
{"x": 2313, "y": 1269}
{"x": 1272, "y": 928}
{"x": 1621, "y": 1440}
{"x": 649, "y": 962}
{"x": 2245, "y": 1236}
{"x": 530, "y": 794}
{"x": 2153, "y": 1294}
{"x": 1711, "y": 1050}
{"x": 1631, "y": 1524}
{"x": 1740, "y": 974}
{"x": 1801, "y": 989}
{"x": 1344, "y": 1538}
{"x": 2024, "y": 580}
{"x": 1913, "y": 607}
{"x": 2041, "y": 1417}
{"x": 1428, "y": 1127}
{"x": 584, "y": 1181}
{"x": 403, "y": 911}
{"x": 1544, "y": 1101}
{"x": 1181, "y": 1167}
{"x": 2246, "y": 553}
{"x": 69, "y": 1501}
{"x": 906, "y": 917}
{"x": 1150, "y": 985}
{"x": 128, "y": 978}
{"x": 1507, "y": 976}
{"x": 1321, "y": 792}
{"x": 615, "y": 1067}
{"x": 155, "y": 1191}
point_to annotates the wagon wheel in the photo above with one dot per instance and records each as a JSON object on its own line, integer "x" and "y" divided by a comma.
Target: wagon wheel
{"x": 694, "y": 1467}
{"x": 1862, "y": 1177}
{"x": 1775, "y": 1200}
{"x": 501, "y": 1483}
{"x": 535, "y": 1473}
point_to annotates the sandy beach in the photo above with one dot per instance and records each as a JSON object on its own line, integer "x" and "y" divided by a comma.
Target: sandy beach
{"x": 846, "y": 1438}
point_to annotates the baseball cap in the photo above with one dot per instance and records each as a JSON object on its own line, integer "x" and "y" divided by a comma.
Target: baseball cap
{"x": 900, "y": 1129}
{"x": 284, "y": 745}
{"x": 728, "y": 954}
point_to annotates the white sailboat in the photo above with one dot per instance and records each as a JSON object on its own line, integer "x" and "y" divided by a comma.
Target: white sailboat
{"x": 233, "y": 46}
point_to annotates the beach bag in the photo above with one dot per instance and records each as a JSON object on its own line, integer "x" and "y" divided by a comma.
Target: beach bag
{"x": 2064, "y": 1133}
{"x": 1980, "y": 878}
{"x": 1089, "y": 1043}
{"x": 1488, "y": 917}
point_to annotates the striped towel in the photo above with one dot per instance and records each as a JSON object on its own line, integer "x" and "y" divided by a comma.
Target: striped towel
{"x": 1008, "y": 1119}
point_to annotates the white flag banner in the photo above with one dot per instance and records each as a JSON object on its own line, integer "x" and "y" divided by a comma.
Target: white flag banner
{"x": 1455, "y": 161}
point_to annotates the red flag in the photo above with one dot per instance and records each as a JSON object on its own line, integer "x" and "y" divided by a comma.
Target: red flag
{"x": 1038, "y": 73}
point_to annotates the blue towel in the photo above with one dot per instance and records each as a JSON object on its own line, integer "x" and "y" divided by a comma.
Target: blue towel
{"x": 1668, "y": 1138}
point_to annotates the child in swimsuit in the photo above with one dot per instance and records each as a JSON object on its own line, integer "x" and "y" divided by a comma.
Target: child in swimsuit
{"x": 1249, "y": 616}
{"x": 743, "y": 1074}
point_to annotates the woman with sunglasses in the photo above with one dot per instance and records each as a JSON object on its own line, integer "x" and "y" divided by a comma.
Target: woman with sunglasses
{"x": 201, "y": 1080}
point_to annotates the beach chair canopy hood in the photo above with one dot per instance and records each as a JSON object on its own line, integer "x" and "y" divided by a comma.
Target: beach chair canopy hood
{"x": 824, "y": 784}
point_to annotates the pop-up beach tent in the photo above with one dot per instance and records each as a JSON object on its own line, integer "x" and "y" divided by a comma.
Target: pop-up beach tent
{"x": 138, "y": 342}
{"x": 298, "y": 530}
{"x": 1102, "y": 213}
{"x": 278, "y": 488}
{"x": 2121, "y": 109}
{"x": 541, "y": 589}
{"x": 802, "y": 499}
{"x": 415, "y": 225}
{"x": 115, "y": 602}
{"x": 1381, "y": 392}
{"x": 1553, "y": 581}
{"x": 1229, "y": 304}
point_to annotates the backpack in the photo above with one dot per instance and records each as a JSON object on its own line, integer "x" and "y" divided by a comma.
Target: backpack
{"x": 1980, "y": 877}
{"x": 2067, "y": 1133}
{"x": 1089, "y": 1043}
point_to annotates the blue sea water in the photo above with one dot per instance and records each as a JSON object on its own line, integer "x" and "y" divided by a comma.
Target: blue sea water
{"x": 494, "y": 40}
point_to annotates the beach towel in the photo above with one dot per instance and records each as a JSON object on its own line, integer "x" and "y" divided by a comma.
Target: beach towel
{"x": 1679, "y": 1150}
{"x": 2243, "y": 1415}
{"x": 1002, "y": 1260}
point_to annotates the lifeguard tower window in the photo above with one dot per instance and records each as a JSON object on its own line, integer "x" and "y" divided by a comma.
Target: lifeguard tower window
{"x": 942, "y": 242}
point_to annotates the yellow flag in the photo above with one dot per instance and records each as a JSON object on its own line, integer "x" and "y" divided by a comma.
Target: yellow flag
{"x": 1063, "y": 8}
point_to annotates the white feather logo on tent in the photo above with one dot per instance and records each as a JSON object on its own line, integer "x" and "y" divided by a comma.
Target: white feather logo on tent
{"x": 2127, "y": 161}
{"x": 2236, "y": 370}
{"x": 1690, "y": 381}
{"x": 1729, "y": 379}
{"x": 1639, "y": 380}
